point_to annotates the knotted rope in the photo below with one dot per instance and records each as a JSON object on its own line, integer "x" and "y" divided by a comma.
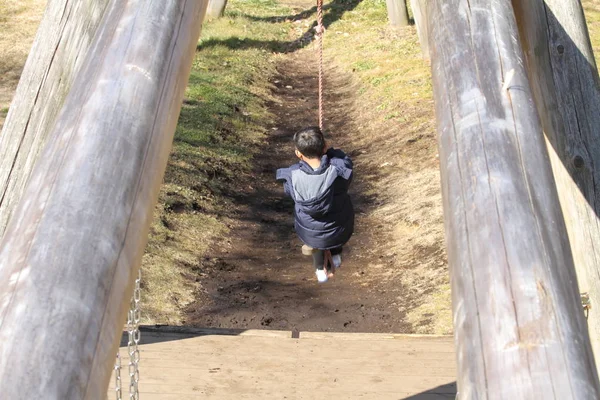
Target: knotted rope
{"x": 320, "y": 31}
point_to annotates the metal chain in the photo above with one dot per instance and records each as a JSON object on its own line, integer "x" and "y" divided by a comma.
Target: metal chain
{"x": 118, "y": 391}
{"x": 133, "y": 333}
{"x": 320, "y": 33}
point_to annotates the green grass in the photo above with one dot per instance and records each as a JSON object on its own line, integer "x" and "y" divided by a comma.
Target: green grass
{"x": 388, "y": 62}
{"x": 222, "y": 122}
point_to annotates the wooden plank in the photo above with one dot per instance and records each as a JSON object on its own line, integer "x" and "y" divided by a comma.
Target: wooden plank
{"x": 162, "y": 330}
{"x": 165, "y": 331}
{"x": 311, "y": 386}
{"x": 397, "y": 12}
{"x": 412, "y": 365}
{"x": 274, "y": 383}
{"x": 214, "y": 343}
{"x": 271, "y": 383}
{"x": 564, "y": 80}
{"x": 255, "y": 367}
{"x": 412, "y": 357}
{"x": 75, "y": 241}
{"x": 383, "y": 345}
{"x": 184, "y": 366}
{"x": 399, "y": 361}
{"x": 288, "y": 394}
{"x": 428, "y": 339}
{"x": 301, "y": 396}
{"x": 60, "y": 47}
{"x": 517, "y": 315}
{"x": 419, "y": 10}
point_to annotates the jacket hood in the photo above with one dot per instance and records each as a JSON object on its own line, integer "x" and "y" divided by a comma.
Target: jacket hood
{"x": 317, "y": 206}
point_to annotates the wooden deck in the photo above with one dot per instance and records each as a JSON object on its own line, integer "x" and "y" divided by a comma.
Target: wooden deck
{"x": 181, "y": 364}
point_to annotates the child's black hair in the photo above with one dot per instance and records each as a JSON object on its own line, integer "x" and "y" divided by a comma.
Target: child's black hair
{"x": 310, "y": 142}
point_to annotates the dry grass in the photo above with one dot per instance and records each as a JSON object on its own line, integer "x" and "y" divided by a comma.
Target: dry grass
{"x": 222, "y": 123}
{"x": 396, "y": 138}
{"x": 396, "y": 83}
{"x": 397, "y": 135}
{"x": 18, "y": 23}
{"x": 175, "y": 244}
{"x": 592, "y": 15}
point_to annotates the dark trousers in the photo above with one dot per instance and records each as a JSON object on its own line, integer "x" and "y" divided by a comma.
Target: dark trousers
{"x": 319, "y": 257}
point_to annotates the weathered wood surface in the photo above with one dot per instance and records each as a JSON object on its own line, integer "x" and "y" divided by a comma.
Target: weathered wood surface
{"x": 564, "y": 80}
{"x": 216, "y": 8}
{"x": 60, "y": 47}
{"x": 397, "y": 12}
{"x": 419, "y": 10}
{"x": 186, "y": 366}
{"x": 74, "y": 244}
{"x": 520, "y": 332}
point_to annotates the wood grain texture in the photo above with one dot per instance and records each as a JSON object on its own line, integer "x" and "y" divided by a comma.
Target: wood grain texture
{"x": 564, "y": 80}
{"x": 397, "y": 12}
{"x": 419, "y": 10}
{"x": 75, "y": 241}
{"x": 519, "y": 329}
{"x": 177, "y": 366}
{"x": 60, "y": 46}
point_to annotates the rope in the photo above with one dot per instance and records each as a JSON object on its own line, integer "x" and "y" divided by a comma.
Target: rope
{"x": 328, "y": 262}
{"x": 320, "y": 31}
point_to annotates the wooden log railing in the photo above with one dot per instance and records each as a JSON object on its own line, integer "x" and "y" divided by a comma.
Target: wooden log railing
{"x": 60, "y": 46}
{"x": 519, "y": 327}
{"x": 397, "y": 12}
{"x": 216, "y": 8}
{"x": 564, "y": 80}
{"x": 419, "y": 10}
{"x": 75, "y": 241}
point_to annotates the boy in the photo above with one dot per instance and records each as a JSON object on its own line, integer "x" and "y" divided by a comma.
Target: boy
{"x": 323, "y": 213}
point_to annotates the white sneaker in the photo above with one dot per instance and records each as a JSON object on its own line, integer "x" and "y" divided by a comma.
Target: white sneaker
{"x": 321, "y": 275}
{"x": 337, "y": 260}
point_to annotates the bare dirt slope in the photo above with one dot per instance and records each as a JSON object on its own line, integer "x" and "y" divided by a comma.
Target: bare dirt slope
{"x": 260, "y": 278}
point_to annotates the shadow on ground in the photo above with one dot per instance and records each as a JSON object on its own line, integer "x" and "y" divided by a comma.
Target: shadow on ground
{"x": 332, "y": 12}
{"x": 261, "y": 280}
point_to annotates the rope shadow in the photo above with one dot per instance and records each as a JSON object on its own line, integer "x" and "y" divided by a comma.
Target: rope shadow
{"x": 280, "y": 18}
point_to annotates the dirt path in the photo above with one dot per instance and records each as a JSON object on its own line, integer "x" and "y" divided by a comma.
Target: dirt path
{"x": 394, "y": 265}
{"x": 260, "y": 279}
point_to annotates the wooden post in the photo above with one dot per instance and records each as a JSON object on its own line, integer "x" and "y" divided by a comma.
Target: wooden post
{"x": 564, "y": 80}
{"x": 216, "y": 8}
{"x": 60, "y": 46}
{"x": 419, "y": 9}
{"x": 75, "y": 241}
{"x": 397, "y": 12}
{"x": 519, "y": 329}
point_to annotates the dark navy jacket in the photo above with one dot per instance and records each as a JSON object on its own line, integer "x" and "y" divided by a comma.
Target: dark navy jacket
{"x": 324, "y": 216}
